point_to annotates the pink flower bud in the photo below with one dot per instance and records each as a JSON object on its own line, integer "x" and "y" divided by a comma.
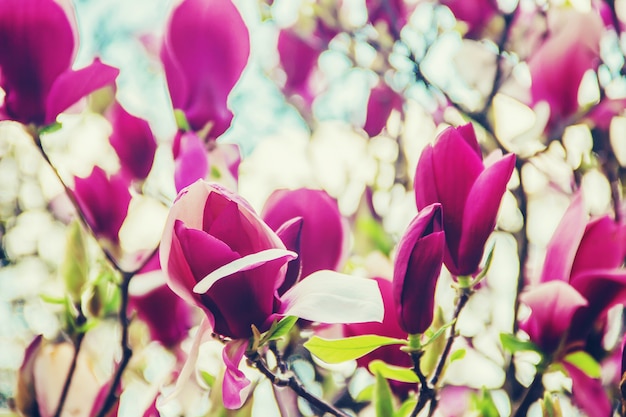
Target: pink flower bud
{"x": 205, "y": 50}
{"x": 416, "y": 270}
{"x": 381, "y": 102}
{"x": 451, "y": 172}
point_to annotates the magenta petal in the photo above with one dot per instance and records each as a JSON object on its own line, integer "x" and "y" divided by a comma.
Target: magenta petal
{"x": 426, "y": 192}
{"x": 235, "y": 385}
{"x": 37, "y": 41}
{"x": 552, "y": 306}
{"x": 475, "y": 13}
{"x": 481, "y": 210}
{"x": 588, "y": 393}
{"x": 133, "y": 142}
{"x": 291, "y": 235}
{"x": 381, "y": 102}
{"x": 322, "y": 241}
{"x": 416, "y": 270}
{"x": 71, "y": 86}
{"x": 562, "y": 248}
{"x": 298, "y": 57}
{"x": 205, "y": 51}
{"x": 601, "y": 247}
{"x": 191, "y": 163}
{"x": 104, "y": 202}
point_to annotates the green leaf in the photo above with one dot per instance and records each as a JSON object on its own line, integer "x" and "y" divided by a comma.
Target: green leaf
{"x": 485, "y": 270}
{"x": 513, "y": 344}
{"x": 397, "y": 373}
{"x": 433, "y": 335}
{"x": 207, "y": 378}
{"x": 383, "y": 402}
{"x": 341, "y": 350}
{"x": 181, "y": 120}
{"x": 52, "y": 299}
{"x": 406, "y": 408}
{"x": 75, "y": 266}
{"x": 376, "y": 234}
{"x": 483, "y": 403}
{"x": 457, "y": 355}
{"x": 585, "y": 362}
{"x": 282, "y": 328}
{"x": 365, "y": 395}
{"x": 51, "y": 128}
{"x": 215, "y": 172}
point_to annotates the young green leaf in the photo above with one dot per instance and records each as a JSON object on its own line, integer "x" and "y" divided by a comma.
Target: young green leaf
{"x": 282, "y": 328}
{"x": 383, "y": 402}
{"x": 585, "y": 362}
{"x": 397, "y": 373}
{"x": 406, "y": 408}
{"x": 457, "y": 355}
{"x": 513, "y": 344}
{"x": 341, "y": 350}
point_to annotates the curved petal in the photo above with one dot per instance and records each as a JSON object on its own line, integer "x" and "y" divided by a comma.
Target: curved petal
{"x": 552, "y": 306}
{"x": 298, "y": 57}
{"x": 479, "y": 218}
{"x": 291, "y": 235}
{"x": 601, "y": 246}
{"x": 71, "y": 86}
{"x": 331, "y": 297}
{"x": 381, "y": 102}
{"x": 191, "y": 163}
{"x": 38, "y": 43}
{"x": 235, "y": 388}
{"x": 588, "y": 393}
{"x": 562, "y": 248}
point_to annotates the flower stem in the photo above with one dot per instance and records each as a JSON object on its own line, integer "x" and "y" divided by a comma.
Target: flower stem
{"x": 426, "y": 392}
{"x": 290, "y": 379}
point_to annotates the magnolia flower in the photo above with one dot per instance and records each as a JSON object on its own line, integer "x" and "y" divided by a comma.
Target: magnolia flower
{"x": 133, "y": 142}
{"x": 451, "y": 172}
{"x": 319, "y": 239}
{"x": 558, "y": 66}
{"x": 38, "y": 41}
{"x": 380, "y": 104}
{"x": 298, "y": 58}
{"x": 205, "y": 50}
{"x": 416, "y": 270}
{"x": 167, "y": 316}
{"x": 104, "y": 202}
{"x": 237, "y": 285}
{"x": 42, "y": 375}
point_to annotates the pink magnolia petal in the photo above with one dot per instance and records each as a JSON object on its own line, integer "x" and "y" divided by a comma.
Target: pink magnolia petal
{"x": 601, "y": 246}
{"x": 191, "y": 162}
{"x": 202, "y": 335}
{"x": 71, "y": 86}
{"x": 298, "y": 57}
{"x": 291, "y": 235}
{"x": 479, "y": 218}
{"x": 235, "y": 387}
{"x": 588, "y": 393}
{"x": 242, "y": 264}
{"x": 205, "y": 51}
{"x": 562, "y": 248}
{"x": 426, "y": 192}
{"x": 552, "y": 305}
{"x": 38, "y": 44}
{"x": 477, "y": 14}
{"x": 331, "y": 297}
{"x": 381, "y": 102}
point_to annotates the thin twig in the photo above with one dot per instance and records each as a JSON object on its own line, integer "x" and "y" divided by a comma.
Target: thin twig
{"x": 291, "y": 380}
{"x": 426, "y": 392}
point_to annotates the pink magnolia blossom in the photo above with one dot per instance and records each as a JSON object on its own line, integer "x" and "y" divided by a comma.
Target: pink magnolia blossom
{"x": 320, "y": 241}
{"x": 382, "y": 101}
{"x": 476, "y": 14}
{"x": 298, "y": 58}
{"x": 558, "y": 66}
{"x": 451, "y": 172}
{"x": 389, "y": 327}
{"x": 38, "y": 47}
{"x": 416, "y": 270}
{"x": 104, "y": 202}
{"x": 133, "y": 142}
{"x": 204, "y": 52}
{"x": 167, "y": 316}
{"x": 237, "y": 285}
{"x": 395, "y": 13}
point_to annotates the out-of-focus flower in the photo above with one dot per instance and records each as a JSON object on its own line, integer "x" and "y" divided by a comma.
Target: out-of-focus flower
{"x": 42, "y": 376}
{"x": 389, "y": 327}
{"x": 558, "y": 66}
{"x": 382, "y": 101}
{"x": 395, "y": 13}
{"x": 321, "y": 241}
{"x": 237, "y": 286}
{"x": 104, "y": 202}
{"x": 205, "y": 50}
{"x": 476, "y": 14}
{"x": 167, "y": 316}
{"x": 451, "y": 172}
{"x": 133, "y": 142}
{"x": 416, "y": 270}
{"x": 38, "y": 47}
{"x": 298, "y": 58}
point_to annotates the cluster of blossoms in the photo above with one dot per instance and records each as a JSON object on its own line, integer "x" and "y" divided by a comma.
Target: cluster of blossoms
{"x": 304, "y": 282}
